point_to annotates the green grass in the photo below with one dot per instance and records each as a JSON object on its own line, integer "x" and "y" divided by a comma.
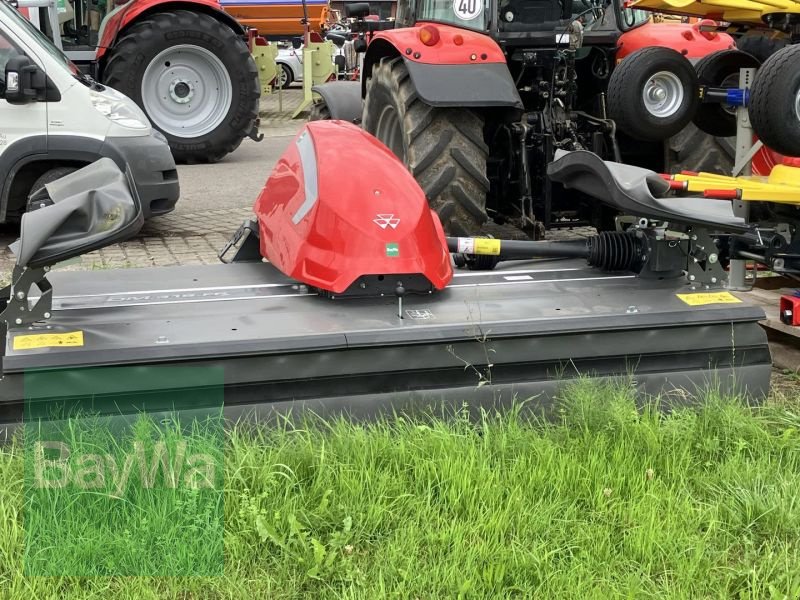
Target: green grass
{"x": 603, "y": 501}
{"x": 112, "y": 508}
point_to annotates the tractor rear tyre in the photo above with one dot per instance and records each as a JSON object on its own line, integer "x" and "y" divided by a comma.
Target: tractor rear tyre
{"x": 194, "y": 77}
{"x": 760, "y": 45}
{"x": 695, "y": 150}
{"x": 442, "y": 147}
{"x": 652, "y": 94}
{"x": 319, "y": 112}
{"x": 775, "y": 101}
{"x": 721, "y": 69}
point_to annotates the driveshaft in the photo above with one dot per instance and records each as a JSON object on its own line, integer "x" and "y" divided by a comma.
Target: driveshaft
{"x": 610, "y": 251}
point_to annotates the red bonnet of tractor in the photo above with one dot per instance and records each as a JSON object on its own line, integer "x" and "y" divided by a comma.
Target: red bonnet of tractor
{"x": 370, "y": 235}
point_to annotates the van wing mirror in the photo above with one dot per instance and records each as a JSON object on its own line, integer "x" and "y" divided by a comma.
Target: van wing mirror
{"x": 25, "y": 81}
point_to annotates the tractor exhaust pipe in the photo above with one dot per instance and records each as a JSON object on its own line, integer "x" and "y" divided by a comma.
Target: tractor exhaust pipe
{"x": 609, "y": 251}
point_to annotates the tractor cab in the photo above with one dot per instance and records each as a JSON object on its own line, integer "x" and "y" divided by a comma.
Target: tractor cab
{"x": 77, "y": 23}
{"x": 537, "y": 22}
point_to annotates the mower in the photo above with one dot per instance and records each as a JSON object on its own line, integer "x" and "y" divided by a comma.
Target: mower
{"x": 350, "y": 298}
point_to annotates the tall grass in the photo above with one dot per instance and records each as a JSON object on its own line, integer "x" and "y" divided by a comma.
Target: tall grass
{"x": 604, "y": 501}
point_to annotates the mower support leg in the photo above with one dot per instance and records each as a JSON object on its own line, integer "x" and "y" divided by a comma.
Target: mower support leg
{"x": 744, "y": 144}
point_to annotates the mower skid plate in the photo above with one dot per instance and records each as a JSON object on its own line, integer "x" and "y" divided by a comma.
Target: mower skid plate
{"x": 523, "y": 330}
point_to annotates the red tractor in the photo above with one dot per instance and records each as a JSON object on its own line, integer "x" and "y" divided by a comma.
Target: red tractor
{"x": 477, "y": 96}
{"x": 186, "y": 63}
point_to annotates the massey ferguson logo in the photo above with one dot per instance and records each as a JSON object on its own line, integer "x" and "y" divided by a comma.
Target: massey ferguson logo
{"x": 384, "y": 221}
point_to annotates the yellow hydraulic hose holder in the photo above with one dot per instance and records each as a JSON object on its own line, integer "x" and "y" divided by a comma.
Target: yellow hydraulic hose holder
{"x": 753, "y": 12}
{"x": 781, "y": 186}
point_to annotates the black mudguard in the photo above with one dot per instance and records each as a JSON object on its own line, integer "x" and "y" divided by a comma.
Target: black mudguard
{"x": 470, "y": 85}
{"x": 343, "y": 99}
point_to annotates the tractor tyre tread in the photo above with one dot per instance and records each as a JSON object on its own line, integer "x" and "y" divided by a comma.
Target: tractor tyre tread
{"x": 319, "y": 112}
{"x": 761, "y": 46}
{"x": 694, "y": 150}
{"x": 444, "y": 147}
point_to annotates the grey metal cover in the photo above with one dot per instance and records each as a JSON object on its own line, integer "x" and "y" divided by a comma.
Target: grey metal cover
{"x": 634, "y": 191}
{"x": 92, "y": 207}
{"x": 536, "y": 323}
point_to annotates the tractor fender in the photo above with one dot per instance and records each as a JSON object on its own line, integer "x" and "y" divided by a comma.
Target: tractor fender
{"x": 130, "y": 12}
{"x": 463, "y": 68}
{"x": 469, "y": 86}
{"x": 343, "y": 99}
{"x": 688, "y": 39}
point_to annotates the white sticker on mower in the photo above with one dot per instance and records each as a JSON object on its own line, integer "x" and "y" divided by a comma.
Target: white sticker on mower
{"x": 466, "y": 245}
{"x": 467, "y": 10}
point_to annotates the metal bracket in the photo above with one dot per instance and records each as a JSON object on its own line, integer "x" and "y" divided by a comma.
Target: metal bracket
{"x": 703, "y": 268}
{"x": 246, "y": 243}
{"x": 20, "y": 310}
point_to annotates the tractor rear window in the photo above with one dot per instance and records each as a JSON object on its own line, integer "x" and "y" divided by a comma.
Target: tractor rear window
{"x": 529, "y": 15}
{"x": 471, "y": 14}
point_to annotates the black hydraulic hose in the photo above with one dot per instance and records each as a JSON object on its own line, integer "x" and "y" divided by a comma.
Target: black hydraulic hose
{"x": 752, "y": 256}
{"x": 518, "y": 249}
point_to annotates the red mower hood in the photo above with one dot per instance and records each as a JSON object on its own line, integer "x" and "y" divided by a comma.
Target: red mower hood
{"x": 339, "y": 205}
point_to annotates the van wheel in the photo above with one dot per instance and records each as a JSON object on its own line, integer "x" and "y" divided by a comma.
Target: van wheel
{"x": 47, "y": 177}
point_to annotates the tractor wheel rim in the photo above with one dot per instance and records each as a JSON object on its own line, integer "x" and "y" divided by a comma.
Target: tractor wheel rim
{"x": 186, "y": 91}
{"x": 797, "y": 104}
{"x": 663, "y": 94}
{"x": 390, "y": 132}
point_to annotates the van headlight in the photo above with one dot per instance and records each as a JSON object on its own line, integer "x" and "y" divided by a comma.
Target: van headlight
{"x": 122, "y": 112}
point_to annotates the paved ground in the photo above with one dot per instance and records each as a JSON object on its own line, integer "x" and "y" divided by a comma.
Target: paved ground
{"x": 215, "y": 199}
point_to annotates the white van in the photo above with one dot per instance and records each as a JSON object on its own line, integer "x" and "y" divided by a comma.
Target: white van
{"x": 54, "y": 120}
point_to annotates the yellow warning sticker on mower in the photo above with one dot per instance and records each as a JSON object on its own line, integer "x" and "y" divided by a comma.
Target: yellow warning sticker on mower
{"x": 487, "y": 246}
{"x": 48, "y": 340}
{"x": 479, "y": 246}
{"x": 709, "y": 298}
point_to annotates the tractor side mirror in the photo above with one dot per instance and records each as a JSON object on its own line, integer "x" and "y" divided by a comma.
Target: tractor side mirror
{"x": 337, "y": 38}
{"x": 25, "y": 81}
{"x": 356, "y": 10}
{"x": 297, "y": 43}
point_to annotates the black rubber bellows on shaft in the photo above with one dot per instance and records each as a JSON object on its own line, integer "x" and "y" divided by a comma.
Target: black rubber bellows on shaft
{"x": 616, "y": 251}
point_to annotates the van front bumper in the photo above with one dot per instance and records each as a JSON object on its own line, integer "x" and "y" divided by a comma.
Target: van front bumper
{"x": 153, "y": 168}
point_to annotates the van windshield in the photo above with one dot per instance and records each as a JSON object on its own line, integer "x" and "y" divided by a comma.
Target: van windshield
{"x": 13, "y": 17}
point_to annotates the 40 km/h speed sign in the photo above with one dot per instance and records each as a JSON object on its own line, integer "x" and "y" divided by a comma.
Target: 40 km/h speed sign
{"x": 467, "y": 10}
